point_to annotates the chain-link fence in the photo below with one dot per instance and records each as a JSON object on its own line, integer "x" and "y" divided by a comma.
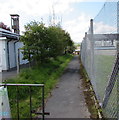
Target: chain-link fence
{"x": 100, "y": 57}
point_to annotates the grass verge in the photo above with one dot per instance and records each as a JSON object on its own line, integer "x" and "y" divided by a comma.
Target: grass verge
{"x": 47, "y": 73}
{"x": 92, "y": 103}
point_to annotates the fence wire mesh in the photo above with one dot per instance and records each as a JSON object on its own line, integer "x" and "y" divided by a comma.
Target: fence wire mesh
{"x": 100, "y": 57}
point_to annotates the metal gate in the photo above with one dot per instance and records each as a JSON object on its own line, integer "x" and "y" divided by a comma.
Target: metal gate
{"x": 42, "y": 113}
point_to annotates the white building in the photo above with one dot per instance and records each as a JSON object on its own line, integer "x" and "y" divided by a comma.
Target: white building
{"x": 9, "y": 45}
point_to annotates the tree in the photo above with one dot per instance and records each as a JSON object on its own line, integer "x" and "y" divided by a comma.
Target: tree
{"x": 33, "y": 39}
{"x": 42, "y": 43}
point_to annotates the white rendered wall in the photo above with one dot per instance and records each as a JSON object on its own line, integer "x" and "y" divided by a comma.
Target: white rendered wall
{"x": 12, "y": 55}
{"x": 18, "y": 46}
{"x": 13, "y": 51}
{"x": 3, "y": 55}
{"x": 0, "y": 56}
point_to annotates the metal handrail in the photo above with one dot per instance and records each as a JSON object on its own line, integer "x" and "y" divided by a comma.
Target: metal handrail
{"x": 30, "y": 85}
{"x": 40, "y": 85}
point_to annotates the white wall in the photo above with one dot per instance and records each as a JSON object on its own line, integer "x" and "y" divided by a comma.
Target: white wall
{"x": 0, "y": 56}
{"x": 12, "y": 54}
{"x": 20, "y": 45}
{"x": 3, "y": 55}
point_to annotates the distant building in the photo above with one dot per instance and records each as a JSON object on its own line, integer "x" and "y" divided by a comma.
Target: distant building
{"x": 77, "y": 50}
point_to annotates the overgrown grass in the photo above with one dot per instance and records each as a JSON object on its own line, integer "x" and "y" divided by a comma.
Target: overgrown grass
{"x": 88, "y": 92}
{"x": 47, "y": 73}
{"x": 104, "y": 65}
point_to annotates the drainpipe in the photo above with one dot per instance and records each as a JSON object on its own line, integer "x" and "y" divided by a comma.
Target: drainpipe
{"x": 8, "y": 58}
{"x": 15, "y": 52}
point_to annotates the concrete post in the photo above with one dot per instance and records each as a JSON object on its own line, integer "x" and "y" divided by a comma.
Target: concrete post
{"x": 85, "y": 49}
{"x": 85, "y": 35}
{"x": 91, "y": 26}
{"x": 92, "y": 48}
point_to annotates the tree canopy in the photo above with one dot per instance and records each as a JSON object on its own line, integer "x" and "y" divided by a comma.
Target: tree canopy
{"x": 42, "y": 43}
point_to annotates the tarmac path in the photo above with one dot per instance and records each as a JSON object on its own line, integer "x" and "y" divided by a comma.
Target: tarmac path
{"x": 67, "y": 99}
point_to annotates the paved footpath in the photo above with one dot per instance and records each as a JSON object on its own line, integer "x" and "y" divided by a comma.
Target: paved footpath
{"x": 67, "y": 100}
{"x": 11, "y": 73}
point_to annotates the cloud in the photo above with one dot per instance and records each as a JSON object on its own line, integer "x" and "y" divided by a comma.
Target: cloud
{"x": 78, "y": 27}
{"x": 36, "y": 7}
{"x": 32, "y": 8}
{"x": 102, "y": 28}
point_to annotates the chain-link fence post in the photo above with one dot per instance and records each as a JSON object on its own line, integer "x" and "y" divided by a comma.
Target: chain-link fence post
{"x": 92, "y": 48}
{"x": 118, "y": 77}
{"x": 118, "y": 81}
{"x": 117, "y": 54}
{"x": 85, "y": 49}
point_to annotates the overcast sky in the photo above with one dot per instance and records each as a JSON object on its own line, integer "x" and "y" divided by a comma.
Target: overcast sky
{"x": 75, "y": 14}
